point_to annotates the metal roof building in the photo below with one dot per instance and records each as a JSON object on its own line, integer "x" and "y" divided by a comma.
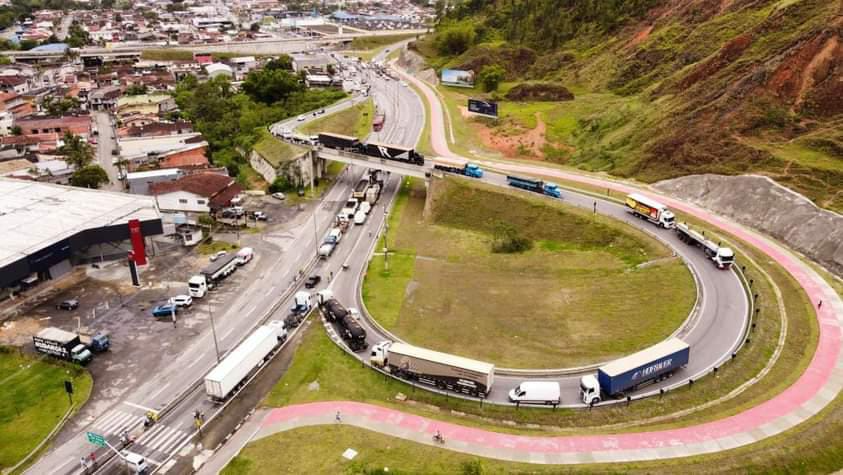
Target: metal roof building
{"x": 43, "y": 226}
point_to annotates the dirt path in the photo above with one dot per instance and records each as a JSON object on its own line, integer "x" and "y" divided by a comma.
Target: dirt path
{"x": 526, "y": 145}
{"x": 817, "y": 69}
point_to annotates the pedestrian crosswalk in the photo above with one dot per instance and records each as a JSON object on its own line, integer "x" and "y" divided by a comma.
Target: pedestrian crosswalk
{"x": 161, "y": 438}
{"x": 115, "y": 422}
{"x": 158, "y": 438}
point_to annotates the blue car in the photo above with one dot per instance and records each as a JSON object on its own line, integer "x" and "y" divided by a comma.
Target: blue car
{"x": 165, "y": 310}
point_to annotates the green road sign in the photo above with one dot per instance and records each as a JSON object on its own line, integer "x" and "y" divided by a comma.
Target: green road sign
{"x": 96, "y": 439}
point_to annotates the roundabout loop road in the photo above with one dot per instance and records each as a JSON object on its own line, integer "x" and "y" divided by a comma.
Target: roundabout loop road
{"x": 714, "y": 334}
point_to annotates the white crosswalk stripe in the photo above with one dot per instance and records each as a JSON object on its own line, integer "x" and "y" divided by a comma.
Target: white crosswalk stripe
{"x": 154, "y": 444}
{"x": 116, "y": 421}
{"x": 151, "y": 434}
{"x": 174, "y": 439}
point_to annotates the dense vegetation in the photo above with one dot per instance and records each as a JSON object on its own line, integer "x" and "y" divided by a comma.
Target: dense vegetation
{"x": 232, "y": 121}
{"x": 666, "y": 88}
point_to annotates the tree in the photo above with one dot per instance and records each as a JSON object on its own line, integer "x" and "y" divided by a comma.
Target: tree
{"x": 16, "y": 130}
{"x": 76, "y": 151}
{"x": 490, "y": 77}
{"x": 90, "y": 176}
{"x": 455, "y": 39}
{"x": 283, "y": 62}
{"x": 270, "y": 86}
{"x": 77, "y": 37}
{"x": 55, "y": 106}
{"x": 136, "y": 90}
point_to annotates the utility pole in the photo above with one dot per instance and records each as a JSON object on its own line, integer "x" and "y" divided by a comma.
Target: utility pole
{"x": 214, "y": 331}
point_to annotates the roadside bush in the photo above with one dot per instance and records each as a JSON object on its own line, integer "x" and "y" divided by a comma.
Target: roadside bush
{"x": 490, "y": 77}
{"x": 507, "y": 240}
{"x": 455, "y": 39}
{"x": 281, "y": 184}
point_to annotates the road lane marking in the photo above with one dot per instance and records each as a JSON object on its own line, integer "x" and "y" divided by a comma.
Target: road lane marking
{"x": 112, "y": 426}
{"x": 159, "y": 391}
{"x": 159, "y": 441}
{"x": 59, "y": 467}
{"x": 138, "y": 406}
{"x": 105, "y": 420}
{"x": 172, "y": 442}
{"x": 151, "y": 434}
{"x": 193, "y": 363}
{"x": 227, "y": 333}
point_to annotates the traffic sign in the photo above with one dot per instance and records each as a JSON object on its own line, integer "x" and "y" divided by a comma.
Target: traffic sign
{"x": 96, "y": 439}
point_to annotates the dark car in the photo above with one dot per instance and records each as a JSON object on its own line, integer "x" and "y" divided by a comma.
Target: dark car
{"x": 293, "y": 320}
{"x": 312, "y": 281}
{"x": 71, "y": 304}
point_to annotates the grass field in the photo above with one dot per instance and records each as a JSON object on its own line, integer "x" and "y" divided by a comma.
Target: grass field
{"x": 355, "y": 121}
{"x": 542, "y": 308}
{"x": 180, "y": 55}
{"x": 213, "y": 247}
{"x": 33, "y": 400}
{"x": 371, "y": 42}
{"x": 277, "y": 151}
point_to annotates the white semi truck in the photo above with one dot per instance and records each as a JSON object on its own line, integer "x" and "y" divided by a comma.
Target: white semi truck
{"x": 454, "y": 373}
{"x": 723, "y": 257}
{"x": 651, "y": 210}
{"x": 249, "y": 355}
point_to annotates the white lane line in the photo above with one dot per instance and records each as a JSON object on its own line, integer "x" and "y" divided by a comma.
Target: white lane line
{"x": 159, "y": 391}
{"x": 138, "y": 406}
{"x": 59, "y": 467}
{"x": 172, "y": 442}
{"x": 164, "y": 432}
{"x": 193, "y": 363}
{"x": 162, "y": 439}
{"x": 149, "y": 435}
{"x": 227, "y": 333}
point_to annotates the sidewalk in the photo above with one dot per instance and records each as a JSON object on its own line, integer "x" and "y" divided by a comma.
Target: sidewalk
{"x": 234, "y": 445}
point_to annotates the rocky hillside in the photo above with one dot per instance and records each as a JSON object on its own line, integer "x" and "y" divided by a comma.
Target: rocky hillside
{"x": 695, "y": 86}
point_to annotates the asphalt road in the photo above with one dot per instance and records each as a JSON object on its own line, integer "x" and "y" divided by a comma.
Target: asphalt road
{"x": 106, "y": 143}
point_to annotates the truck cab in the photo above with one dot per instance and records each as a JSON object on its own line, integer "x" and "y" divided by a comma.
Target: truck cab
{"x": 725, "y": 257}
{"x": 473, "y": 170}
{"x": 197, "y": 286}
{"x": 380, "y": 354}
{"x": 97, "y": 342}
{"x": 552, "y": 189}
{"x": 302, "y": 302}
{"x": 81, "y": 354}
{"x": 589, "y": 390}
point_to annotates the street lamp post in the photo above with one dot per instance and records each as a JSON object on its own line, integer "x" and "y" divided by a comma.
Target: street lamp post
{"x": 214, "y": 331}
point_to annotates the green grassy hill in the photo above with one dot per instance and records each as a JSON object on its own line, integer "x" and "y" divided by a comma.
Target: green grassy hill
{"x": 664, "y": 88}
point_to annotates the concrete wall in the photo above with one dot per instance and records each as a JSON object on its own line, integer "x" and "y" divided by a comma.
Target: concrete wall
{"x": 763, "y": 204}
{"x": 173, "y": 202}
{"x": 262, "y": 167}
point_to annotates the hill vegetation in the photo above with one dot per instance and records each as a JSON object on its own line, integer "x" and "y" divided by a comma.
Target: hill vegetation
{"x": 695, "y": 86}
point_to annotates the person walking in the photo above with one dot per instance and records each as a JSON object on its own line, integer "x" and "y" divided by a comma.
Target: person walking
{"x": 339, "y": 418}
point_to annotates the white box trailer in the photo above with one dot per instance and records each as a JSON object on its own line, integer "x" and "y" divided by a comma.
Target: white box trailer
{"x": 250, "y": 354}
{"x": 651, "y": 210}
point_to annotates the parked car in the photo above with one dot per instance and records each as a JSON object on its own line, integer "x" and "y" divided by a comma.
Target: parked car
{"x": 70, "y": 304}
{"x": 301, "y": 118}
{"x": 312, "y": 281}
{"x": 279, "y": 196}
{"x": 217, "y": 255}
{"x": 181, "y": 301}
{"x": 164, "y": 310}
{"x": 259, "y": 216}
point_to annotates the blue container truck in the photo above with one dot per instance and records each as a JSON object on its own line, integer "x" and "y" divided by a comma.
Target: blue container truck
{"x": 470, "y": 170}
{"x": 631, "y": 372}
{"x": 536, "y": 186}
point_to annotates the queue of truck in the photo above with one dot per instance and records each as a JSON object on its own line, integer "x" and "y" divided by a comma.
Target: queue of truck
{"x": 356, "y": 210}
{"x": 223, "y": 266}
{"x": 536, "y": 186}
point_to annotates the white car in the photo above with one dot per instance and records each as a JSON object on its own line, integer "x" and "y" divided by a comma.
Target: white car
{"x": 217, "y": 255}
{"x": 360, "y": 217}
{"x": 181, "y": 300}
{"x": 403, "y": 84}
{"x": 301, "y": 118}
{"x": 279, "y": 196}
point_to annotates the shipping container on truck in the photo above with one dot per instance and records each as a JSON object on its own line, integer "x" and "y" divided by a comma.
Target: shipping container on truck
{"x": 339, "y": 142}
{"x": 651, "y": 210}
{"x": 653, "y": 364}
{"x": 359, "y": 192}
{"x": 393, "y": 152}
{"x": 444, "y": 371}
{"x": 723, "y": 257}
{"x": 248, "y": 356}
{"x": 378, "y": 121}
{"x": 469, "y": 169}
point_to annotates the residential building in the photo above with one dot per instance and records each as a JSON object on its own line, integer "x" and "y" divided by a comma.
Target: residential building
{"x": 197, "y": 193}
{"x": 104, "y": 98}
{"x": 154, "y": 104}
{"x": 139, "y": 182}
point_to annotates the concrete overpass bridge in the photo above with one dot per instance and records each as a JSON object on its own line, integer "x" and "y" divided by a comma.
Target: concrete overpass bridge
{"x": 424, "y": 172}
{"x": 257, "y": 47}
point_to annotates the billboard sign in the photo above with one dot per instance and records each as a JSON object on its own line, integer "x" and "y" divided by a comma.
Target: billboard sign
{"x": 137, "y": 242}
{"x": 487, "y": 108}
{"x": 457, "y": 77}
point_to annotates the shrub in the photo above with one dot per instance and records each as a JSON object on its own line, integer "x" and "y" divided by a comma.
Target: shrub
{"x": 507, "y": 240}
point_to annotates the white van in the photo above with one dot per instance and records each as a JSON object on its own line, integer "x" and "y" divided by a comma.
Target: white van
{"x": 333, "y": 236}
{"x": 359, "y": 217}
{"x": 536, "y": 392}
{"x": 245, "y": 255}
{"x": 135, "y": 462}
